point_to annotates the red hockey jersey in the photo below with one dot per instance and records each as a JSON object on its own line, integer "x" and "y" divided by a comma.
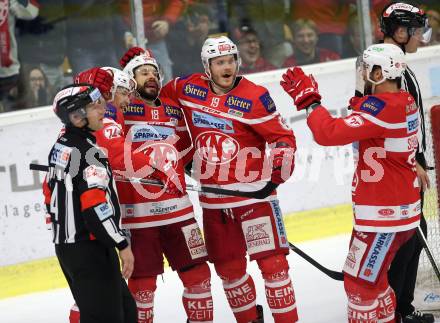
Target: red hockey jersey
{"x": 229, "y": 134}
{"x": 160, "y": 134}
{"x": 112, "y": 138}
{"x": 383, "y": 129}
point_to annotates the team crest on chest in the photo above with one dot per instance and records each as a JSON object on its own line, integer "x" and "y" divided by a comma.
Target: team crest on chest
{"x": 216, "y": 148}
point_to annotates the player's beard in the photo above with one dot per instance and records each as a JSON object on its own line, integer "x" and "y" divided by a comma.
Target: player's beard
{"x": 148, "y": 93}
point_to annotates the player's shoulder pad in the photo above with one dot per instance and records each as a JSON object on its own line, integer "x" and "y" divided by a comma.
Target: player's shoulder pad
{"x": 370, "y": 104}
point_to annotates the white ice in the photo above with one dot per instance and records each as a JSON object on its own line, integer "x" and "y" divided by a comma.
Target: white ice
{"x": 319, "y": 298}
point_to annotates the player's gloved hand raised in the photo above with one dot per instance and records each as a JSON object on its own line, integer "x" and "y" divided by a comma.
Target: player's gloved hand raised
{"x": 96, "y": 77}
{"x": 129, "y": 54}
{"x": 283, "y": 162}
{"x": 302, "y": 88}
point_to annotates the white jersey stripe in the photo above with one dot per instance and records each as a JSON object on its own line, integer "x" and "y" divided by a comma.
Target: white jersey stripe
{"x": 387, "y": 125}
{"x": 398, "y": 145}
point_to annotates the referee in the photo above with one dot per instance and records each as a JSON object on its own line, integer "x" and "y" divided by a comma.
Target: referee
{"x": 83, "y": 206}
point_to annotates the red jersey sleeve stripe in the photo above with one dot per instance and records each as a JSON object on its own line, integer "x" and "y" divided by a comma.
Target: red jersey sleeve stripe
{"x": 91, "y": 198}
{"x": 46, "y": 192}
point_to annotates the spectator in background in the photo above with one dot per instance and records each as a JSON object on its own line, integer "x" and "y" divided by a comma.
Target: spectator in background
{"x": 353, "y": 42}
{"x": 434, "y": 21}
{"x": 33, "y": 89}
{"x": 305, "y": 40}
{"x": 249, "y": 46}
{"x": 331, "y": 18}
{"x": 159, "y": 18}
{"x": 268, "y": 18}
{"x": 353, "y": 47}
{"x": 39, "y": 92}
{"x": 43, "y": 42}
{"x": 10, "y": 10}
{"x": 188, "y": 36}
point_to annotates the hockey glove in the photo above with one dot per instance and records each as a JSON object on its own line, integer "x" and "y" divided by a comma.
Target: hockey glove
{"x": 129, "y": 54}
{"x": 96, "y": 77}
{"x": 302, "y": 88}
{"x": 283, "y": 162}
{"x": 171, "y": 180}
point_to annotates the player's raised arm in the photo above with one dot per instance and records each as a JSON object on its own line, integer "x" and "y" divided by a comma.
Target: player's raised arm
{"x": 366, "y": 121}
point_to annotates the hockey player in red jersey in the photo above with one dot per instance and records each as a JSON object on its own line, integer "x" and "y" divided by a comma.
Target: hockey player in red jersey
{"x": 117, "y": 87}
{"x": 231, "y": 120}
{"x": 386, "y": 203}
{"x": 161, "y": 222}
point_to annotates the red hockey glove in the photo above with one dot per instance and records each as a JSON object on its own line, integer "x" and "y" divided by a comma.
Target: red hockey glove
{"x": 172, "y": 182}
{"x": 302, "y": 88}
{"x": 129, "y": 54}
{"x": 96, "y": 77}
{"x": 283, "y": 162}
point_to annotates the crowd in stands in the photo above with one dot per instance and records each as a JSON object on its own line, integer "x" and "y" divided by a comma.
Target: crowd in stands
{"x": 50, "y": 40}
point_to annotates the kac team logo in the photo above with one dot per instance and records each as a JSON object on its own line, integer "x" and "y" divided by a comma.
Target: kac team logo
{"x": 164, "y": 152}
{"x": 216, "y": 148}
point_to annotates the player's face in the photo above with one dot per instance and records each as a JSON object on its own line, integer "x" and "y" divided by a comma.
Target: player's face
{"x": 411, "y": 45}
{"x": 305, "y": 40}
{"x": 95, "y": 114}
{"x": 223, "y": 70}
{"x": 122, "y": 97}
{"x": 147, "y": 78}
{"x": 249, "y": 47}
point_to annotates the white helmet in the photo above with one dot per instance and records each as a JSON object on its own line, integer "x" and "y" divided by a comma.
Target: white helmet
{"x": 215, "y": 47}
{"x": 120, "y": 79}
{"x": 389, "y": 57}
{"x": 143, "y": 59}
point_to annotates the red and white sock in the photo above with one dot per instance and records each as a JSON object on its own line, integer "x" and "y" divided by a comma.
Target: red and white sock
{"x": 363, "y": 312}
{"x": 241, "y": 296}
{"x": 281, "y": 298}
{"x": 143, "y": 290}
{"x": 387, "y": 306}
{"x": 198, "y": 305}
{"x": 197, "y": 298}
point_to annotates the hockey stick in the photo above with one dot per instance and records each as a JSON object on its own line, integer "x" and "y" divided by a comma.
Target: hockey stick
{"x": 423, "y": 241}
{"x": 336, "y": 275}
{"x": 260, "y": 194}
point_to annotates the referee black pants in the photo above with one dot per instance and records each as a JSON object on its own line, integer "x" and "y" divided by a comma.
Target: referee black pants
{"x": 94, "y": 277}
{"x": 402, "y": 274}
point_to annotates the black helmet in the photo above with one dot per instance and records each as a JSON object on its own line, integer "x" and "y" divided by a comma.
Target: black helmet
{"x": 74, "y": 97}
{"x": 399, "y": 14}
